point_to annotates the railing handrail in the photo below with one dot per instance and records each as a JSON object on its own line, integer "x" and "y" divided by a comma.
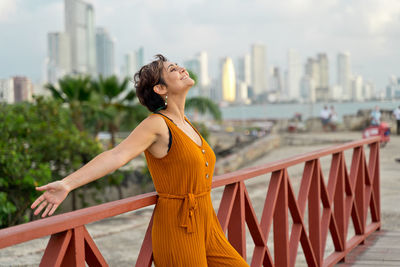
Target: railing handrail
{"x": 250, "y": 172}
{"x": 58, "y": 223}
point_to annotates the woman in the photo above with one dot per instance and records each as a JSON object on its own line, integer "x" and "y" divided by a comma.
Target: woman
{"x": 186, "y": 230}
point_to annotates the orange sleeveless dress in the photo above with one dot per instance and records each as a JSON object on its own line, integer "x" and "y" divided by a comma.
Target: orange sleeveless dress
{"x": 186, "y": 230}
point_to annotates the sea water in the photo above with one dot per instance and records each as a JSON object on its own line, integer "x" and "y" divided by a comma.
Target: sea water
{"x": 288, "y": 110}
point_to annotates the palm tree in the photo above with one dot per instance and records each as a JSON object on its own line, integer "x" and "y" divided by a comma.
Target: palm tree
{"x": 116, "y": 103}
{"x": 203, "y": 105}
{"x": 76, "y": 92}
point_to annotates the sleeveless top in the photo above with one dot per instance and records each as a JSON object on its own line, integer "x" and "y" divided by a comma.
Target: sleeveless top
{"x": 185, "y": 172}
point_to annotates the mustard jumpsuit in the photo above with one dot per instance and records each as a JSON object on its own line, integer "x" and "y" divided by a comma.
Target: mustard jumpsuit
{"x": 186, "y": 231}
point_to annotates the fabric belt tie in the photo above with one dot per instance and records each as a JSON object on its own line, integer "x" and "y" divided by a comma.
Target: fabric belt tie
{"x": 188, "y": 208}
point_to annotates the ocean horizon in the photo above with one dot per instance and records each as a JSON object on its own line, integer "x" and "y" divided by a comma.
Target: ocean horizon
{"x": 307, "y": 110}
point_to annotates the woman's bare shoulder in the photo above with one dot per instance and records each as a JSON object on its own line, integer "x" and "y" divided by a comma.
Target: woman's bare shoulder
{"x": 153, "y": 122}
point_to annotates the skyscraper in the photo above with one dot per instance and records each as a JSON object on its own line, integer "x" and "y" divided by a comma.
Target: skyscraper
{"x": 259, "y": 69}
{"x": 129, "y": 66}
{"x": 58, "y": 56}
{"x": 139, "y": 54}
{"x": 7, "y": 91}
{"x": 203, "y": 74}
{"x": 244, "y": 69}
{"x": 105, "y": 55}
{"x": 344, "y": 74}
{"x": 80, "y": 26}
{"x": 294, "y": 75}
{"x": 23, "y": 89}
{"x": 276, "y": 80}
{"x": 323, "y": 91}
{"x": 357, "y": 88}
{"x": 199, "y": 66}
{"x": 228, "y": 80}
{"x": 133, "y": 61}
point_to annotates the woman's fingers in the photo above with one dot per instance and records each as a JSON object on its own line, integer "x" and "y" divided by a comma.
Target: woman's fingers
{"x": 37, "y": 201}
{"x": 44, "y": 187}
{"x": 55, "y": 206}
{"x": 41, "y": 206}
{"x": 46, "y": 211}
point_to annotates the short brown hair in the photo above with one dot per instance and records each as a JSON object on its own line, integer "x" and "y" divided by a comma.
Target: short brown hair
{"x": 145, "y": 79}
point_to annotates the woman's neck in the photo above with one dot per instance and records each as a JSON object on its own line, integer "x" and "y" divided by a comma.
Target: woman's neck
{"x": 176, "y": 110}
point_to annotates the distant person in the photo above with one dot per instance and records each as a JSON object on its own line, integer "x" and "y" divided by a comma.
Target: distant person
{"x": 396, "y": 114}
{"x": 325, "y": 116}
{"x": 376, "y": 116}
{"x": 333, "y": 118}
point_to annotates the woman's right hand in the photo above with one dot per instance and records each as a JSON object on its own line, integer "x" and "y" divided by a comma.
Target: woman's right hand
{"x": 54, "y": 194}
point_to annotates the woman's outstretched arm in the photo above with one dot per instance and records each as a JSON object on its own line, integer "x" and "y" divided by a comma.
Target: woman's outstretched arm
{"x": 144, "y": 135}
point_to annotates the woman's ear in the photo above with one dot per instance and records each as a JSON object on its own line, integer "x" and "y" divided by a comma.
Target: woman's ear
{"x": 160, "y": 89}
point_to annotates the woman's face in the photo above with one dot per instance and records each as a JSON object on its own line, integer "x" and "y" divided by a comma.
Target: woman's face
{"x": 176, "y": 77}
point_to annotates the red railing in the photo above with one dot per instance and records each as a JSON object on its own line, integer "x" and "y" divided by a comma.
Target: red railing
{"x": 330, "y": 206}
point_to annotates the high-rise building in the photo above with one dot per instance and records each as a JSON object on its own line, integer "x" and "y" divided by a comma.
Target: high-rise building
{"x": 80, "y": 26}
{"x": 193, "y": 65}
{"x": 393, "y": 88}
{"x": 58, "y": 56}
{"x": 294, "y": 75}
{"x": 308, "y": 88}
{"x": 203, "y": 74}
{"x": 344, "y": 74}
{"x": 322, "y": 90}
{"x": 242, "y": 92}
{"x": 23, "y": 89}
{"x": 357, "y": 88}
{"x": 228, "y": 80}
{"x": 318, "y": 71}
{"x": 368, "y": 90}
{"x": 199, "y": 66}
{"x": 133, "y": 61}
{"x": 7, "y": 91}
{"x": 139, "y": 54}
{"x": 258, "y": 69}
{"x": 129, "y": 66}
{"x": 276, "y": 80}
{"x": 105, "y": 53}
{"x": 244, "y": 69}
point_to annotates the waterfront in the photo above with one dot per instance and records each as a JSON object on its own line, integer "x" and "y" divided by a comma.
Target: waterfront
{"x": 287, "y": 110}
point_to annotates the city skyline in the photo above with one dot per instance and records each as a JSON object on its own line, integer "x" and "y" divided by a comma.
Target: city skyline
{"x": 366, "y": 29}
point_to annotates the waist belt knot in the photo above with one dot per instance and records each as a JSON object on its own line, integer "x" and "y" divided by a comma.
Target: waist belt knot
{"x": 189, "y": 206}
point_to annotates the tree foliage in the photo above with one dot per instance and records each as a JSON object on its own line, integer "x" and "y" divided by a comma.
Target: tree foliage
{"x": 116, "y": 103}
{"x": 204, "y": 105}
{"x": 39, "y": 144}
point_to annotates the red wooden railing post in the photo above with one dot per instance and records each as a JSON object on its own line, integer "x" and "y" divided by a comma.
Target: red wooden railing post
{"x": 374, "y": 171}
{"x": 337, "y": 175}
{"x": 281, "y": 224}
{"x": 236, "y": 227}
{"x": 145, "y": 257}
{"x": 314, "y": 213}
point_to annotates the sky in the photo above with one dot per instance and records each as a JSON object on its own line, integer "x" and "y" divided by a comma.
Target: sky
{"x": 368, "y": 29}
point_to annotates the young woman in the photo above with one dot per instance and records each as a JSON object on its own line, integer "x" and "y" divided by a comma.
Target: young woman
{"x": 186, "y": 231}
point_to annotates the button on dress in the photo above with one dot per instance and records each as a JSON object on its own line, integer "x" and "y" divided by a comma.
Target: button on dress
{"x": 186, "y": 230}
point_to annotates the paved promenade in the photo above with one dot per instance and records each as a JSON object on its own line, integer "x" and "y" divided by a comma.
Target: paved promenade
{"x": 119, "y": 238}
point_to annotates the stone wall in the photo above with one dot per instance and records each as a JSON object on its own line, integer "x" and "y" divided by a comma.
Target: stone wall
{"x": 255, "y": 150}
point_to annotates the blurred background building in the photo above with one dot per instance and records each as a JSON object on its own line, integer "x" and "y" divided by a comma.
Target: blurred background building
{"x": 105, "y": 53}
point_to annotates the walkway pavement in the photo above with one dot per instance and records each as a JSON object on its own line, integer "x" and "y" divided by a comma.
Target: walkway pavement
{"x": 381, "y": 249}
{"x": 119, "y": 238}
